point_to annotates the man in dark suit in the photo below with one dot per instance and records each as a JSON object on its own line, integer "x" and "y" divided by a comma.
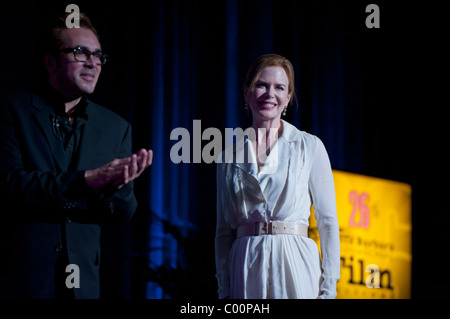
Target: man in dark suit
{"x": 66, "y": 166}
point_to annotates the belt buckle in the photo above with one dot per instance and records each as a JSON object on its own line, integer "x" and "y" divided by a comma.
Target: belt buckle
{"x": 269, "y": 229}
{"x": 263, "y": 228}
{"x": 257, "y": 229}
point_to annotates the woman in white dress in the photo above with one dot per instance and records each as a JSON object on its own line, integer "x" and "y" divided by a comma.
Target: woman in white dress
{"x": 266, "y": 184}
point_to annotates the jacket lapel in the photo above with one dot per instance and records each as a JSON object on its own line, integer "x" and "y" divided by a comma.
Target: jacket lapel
{"x": 89, "y": 140}
{"x": 45, "y": 118}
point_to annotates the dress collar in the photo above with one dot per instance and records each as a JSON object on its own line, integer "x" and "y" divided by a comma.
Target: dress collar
{"x": 242, "y": 155}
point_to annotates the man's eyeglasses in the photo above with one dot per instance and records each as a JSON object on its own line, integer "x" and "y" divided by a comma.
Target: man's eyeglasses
{"x": 82, "y": 55}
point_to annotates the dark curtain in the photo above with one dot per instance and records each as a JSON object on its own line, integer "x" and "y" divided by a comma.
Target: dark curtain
{"x": 175, "y": 61}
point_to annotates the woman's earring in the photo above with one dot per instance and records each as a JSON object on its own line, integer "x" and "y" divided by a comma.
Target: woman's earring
{"x": 246, "y": 106}
{"x": 284, "y": 111}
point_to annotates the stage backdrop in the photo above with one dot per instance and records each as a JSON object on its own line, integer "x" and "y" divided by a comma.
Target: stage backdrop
{"x": 175, "y": 61}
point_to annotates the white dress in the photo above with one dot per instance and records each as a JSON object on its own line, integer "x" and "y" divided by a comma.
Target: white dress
{"x": 296, "y": 174}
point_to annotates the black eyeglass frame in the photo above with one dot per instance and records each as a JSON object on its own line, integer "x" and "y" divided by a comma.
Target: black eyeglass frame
{"x": 97, "y": 54}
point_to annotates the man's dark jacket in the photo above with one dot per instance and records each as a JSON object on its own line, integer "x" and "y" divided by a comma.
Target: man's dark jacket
{"x": 46, "y": 209}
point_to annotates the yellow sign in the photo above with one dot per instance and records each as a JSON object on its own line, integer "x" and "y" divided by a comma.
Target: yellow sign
{"x": 374, "y": 218}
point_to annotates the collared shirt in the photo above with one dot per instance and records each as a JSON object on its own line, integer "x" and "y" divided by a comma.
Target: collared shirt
{"x": 69, "y": 134}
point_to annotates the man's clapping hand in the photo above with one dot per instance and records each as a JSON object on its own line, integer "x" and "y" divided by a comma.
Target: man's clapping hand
{"x": 119, "y": 172}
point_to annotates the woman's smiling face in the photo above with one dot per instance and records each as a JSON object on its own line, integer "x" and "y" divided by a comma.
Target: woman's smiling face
{"x": 270, "y": 95}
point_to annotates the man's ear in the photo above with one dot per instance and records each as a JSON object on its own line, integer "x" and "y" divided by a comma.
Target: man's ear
{"x": 50, "y": 63}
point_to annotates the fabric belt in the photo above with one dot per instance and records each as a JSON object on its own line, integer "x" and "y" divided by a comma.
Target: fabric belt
{"x": 272, "y": 228}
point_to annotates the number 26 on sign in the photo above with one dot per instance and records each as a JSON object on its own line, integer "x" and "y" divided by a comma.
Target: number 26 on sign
{"x": 359, "y": 206}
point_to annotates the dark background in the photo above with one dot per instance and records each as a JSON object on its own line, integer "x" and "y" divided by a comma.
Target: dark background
{"x": 371, "y": 95}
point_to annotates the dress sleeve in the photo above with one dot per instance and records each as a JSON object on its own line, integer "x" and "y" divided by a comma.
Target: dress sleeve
{"x": 225, "y": 235}
{"x": 321, "y": 185}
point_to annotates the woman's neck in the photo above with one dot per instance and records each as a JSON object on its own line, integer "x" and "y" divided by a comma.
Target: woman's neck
{"x": 267, "y": 133}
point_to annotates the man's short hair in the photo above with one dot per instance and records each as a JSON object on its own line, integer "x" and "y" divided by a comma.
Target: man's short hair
{"x": 52, "y": 43}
